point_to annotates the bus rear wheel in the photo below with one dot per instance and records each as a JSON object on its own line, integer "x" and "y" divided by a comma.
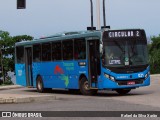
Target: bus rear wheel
{"x": 40, "y": 86}
{"x": 84, "y": 87}
{"x": 123, "y": 91}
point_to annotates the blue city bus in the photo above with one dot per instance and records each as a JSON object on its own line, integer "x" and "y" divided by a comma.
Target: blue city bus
{"x": 87, "y": 61}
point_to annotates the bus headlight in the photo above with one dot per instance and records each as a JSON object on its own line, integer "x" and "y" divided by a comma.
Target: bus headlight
{"x": 146, "y": 75}
{"x": 112, "y": 78}
{"x": 106, "y": 75}
{"x": 109, "y": 77}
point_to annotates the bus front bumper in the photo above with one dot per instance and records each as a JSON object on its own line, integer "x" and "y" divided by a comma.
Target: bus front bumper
{"x": 125, "y": 84}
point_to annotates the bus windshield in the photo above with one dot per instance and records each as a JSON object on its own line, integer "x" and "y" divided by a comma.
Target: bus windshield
{"x": 129, "y": 52}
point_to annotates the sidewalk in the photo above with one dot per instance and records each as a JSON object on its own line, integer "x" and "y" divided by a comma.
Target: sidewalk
{"x": 155, "y": 75}
{"x": 6, "y": 87}
{"x": 21, "y": 98}
{"x": 14, "y": 98}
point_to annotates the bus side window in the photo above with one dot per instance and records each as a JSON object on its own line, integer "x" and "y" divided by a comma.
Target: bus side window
{"x": 56, "y": 51}
{"x": 67, "y": 50}
{"x": 20, "y": 54}
{"x": 37, "y": 53}
{"x": 79, "y": 49}
{"x": 46, "y": 52}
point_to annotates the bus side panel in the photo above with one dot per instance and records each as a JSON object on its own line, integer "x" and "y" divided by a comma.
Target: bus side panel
{"x": 53, "y": 75}
{"x": 63, "y": 75}
{"x": 50, "y": 77}
{"x": 60, "y": 75}
{"x": 78, "y": 70}
{"x": 20, "y": 74}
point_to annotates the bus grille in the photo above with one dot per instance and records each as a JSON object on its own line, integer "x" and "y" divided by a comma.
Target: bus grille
{"x": 124, "y": 82}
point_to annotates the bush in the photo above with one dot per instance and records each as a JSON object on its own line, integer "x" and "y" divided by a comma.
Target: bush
{"x": 1, "y": 81}
{"x": 154, "y": 55}
{"x": 8, "y": 81}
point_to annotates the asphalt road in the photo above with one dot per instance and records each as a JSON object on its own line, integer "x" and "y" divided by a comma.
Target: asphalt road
{"x": 141, "y": 99}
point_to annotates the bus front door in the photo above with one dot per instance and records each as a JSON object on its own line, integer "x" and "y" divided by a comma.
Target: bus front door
{"x": 94, "y": 63}
{"x": 28, "y": 63}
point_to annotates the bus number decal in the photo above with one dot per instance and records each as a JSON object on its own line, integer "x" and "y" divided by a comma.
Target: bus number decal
{"x": 137, "y": 33}
{"x": 141, "y": 75}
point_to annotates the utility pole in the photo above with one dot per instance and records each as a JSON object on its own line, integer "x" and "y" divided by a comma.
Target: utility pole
{"x": 98, "y": 14}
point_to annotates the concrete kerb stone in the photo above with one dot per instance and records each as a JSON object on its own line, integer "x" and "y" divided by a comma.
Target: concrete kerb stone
{"x": 154, "y": 75}
{"x": 6, "y": 100}
{"x": 25, "y": 99}
{"x": 34, "y": 98}
{"x": 11, "y": 98}
{"x": 10, "y": 87}
{"x": 2, "y": 100}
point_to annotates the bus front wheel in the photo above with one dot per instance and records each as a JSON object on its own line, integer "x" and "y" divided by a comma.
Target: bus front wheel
{"x": 123, "y": 91}
{"x": 84, "y": 87}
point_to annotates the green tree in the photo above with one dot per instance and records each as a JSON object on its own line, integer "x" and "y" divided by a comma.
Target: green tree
{"x": 154, "y": 55}
{"x": 4, "y": 37}
{"x": 7, "y": 50}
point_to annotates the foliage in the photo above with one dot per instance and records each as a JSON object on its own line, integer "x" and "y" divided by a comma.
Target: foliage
{"x": 154, "y": 55}
{"x": 7, "y": 50}
{"x": 1, "y": 82}
{"x": 8, "y": 81}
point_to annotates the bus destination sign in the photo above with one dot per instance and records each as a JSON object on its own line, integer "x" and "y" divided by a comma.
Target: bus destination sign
{"x": 123, "y": 34}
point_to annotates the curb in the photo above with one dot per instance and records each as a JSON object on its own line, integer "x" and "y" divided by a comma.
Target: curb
{"x": 7, "y": 87}
{"x": 24, "y": 99}
{"x": 11, "y": 99}
{"x": 154, "y": 75}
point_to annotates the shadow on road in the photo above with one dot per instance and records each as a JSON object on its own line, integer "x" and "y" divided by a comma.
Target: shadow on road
{"x": 103, "y": 93}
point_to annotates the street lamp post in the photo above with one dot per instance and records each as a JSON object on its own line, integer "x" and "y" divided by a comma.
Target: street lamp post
{"x": 98, "y": 14}
{"x": 104, "y": 13}
{"x": 91, "y": 14}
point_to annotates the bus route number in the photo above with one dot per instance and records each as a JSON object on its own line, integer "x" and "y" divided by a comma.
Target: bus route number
{"x": 137, "y": 34}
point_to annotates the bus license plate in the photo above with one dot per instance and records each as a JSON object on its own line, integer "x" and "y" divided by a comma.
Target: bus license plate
{"x": 131, "y": 83}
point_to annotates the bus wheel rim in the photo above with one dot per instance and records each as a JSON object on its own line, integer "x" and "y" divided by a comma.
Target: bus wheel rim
{"x": 39, "y": 85}
{"x": 86, "y": 85}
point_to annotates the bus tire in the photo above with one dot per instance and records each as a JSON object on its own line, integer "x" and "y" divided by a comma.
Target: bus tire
{"x": 123, "y": 91}
{"x": 84, "y": 87}
{"x": 39, "y": 84}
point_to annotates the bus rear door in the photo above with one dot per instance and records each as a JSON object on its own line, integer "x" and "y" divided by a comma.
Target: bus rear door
{"x": 28, "y": 63}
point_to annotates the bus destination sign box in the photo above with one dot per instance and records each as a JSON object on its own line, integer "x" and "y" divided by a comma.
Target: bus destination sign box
{"x": 123, "y": 34}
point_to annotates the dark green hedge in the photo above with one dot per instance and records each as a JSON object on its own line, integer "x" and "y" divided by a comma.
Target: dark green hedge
{"x": 154, "y": 55}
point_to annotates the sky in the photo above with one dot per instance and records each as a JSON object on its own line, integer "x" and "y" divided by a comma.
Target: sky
{"x": 47, "y": 17}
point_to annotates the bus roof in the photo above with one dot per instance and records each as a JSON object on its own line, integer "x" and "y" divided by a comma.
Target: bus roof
{"x": 62, "y": 36}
